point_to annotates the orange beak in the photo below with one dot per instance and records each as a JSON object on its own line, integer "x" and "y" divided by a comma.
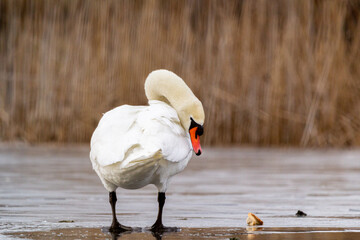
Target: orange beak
{"x": 195, "y": 141}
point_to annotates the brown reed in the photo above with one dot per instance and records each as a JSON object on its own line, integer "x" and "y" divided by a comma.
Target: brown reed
{"x": 279, "y": 72}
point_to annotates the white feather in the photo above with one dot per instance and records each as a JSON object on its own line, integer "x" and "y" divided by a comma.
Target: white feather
{"x": 138, "y": 145}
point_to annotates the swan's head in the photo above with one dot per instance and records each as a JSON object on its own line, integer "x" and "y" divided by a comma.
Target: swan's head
{"x": 166, "y": 86}
{"x": 192, "y": 118}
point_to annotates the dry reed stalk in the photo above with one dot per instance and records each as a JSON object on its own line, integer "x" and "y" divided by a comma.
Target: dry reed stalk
{"x": 268, "y": 72}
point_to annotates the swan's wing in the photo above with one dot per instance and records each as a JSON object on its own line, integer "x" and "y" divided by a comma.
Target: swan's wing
{"x": 115, "y": 135}
{"x": 133, "y": 135}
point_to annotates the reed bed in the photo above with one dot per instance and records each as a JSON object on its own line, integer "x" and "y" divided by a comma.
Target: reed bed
{"x": 268, "y": 73}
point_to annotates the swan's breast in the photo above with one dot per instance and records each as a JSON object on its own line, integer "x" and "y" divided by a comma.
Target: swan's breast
{"x": 161, "y": 127}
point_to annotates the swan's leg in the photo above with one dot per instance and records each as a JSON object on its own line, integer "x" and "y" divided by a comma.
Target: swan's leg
{"x": 158, "y": 227}
{"x": 158, "y": 224}
{"x": 116, "y": 226}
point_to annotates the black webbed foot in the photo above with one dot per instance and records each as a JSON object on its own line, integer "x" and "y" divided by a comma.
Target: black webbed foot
{"x": 116, "y": 227}
{"x": 160, "y": 228}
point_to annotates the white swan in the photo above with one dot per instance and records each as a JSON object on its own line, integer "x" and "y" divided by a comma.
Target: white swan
{"x": 134, "y": 146}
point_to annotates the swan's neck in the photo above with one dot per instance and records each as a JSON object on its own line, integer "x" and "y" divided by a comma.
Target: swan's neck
{"x": 166, "y": 86}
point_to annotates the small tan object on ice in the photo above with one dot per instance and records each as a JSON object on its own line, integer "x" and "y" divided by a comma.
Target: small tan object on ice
{"x": 253, "y": 220}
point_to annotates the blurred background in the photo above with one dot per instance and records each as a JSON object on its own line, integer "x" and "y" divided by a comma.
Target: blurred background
{"x": 269, "y": 73}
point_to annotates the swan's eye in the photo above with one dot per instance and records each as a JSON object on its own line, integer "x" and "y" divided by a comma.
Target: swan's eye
{"x": 199, "y": 130}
